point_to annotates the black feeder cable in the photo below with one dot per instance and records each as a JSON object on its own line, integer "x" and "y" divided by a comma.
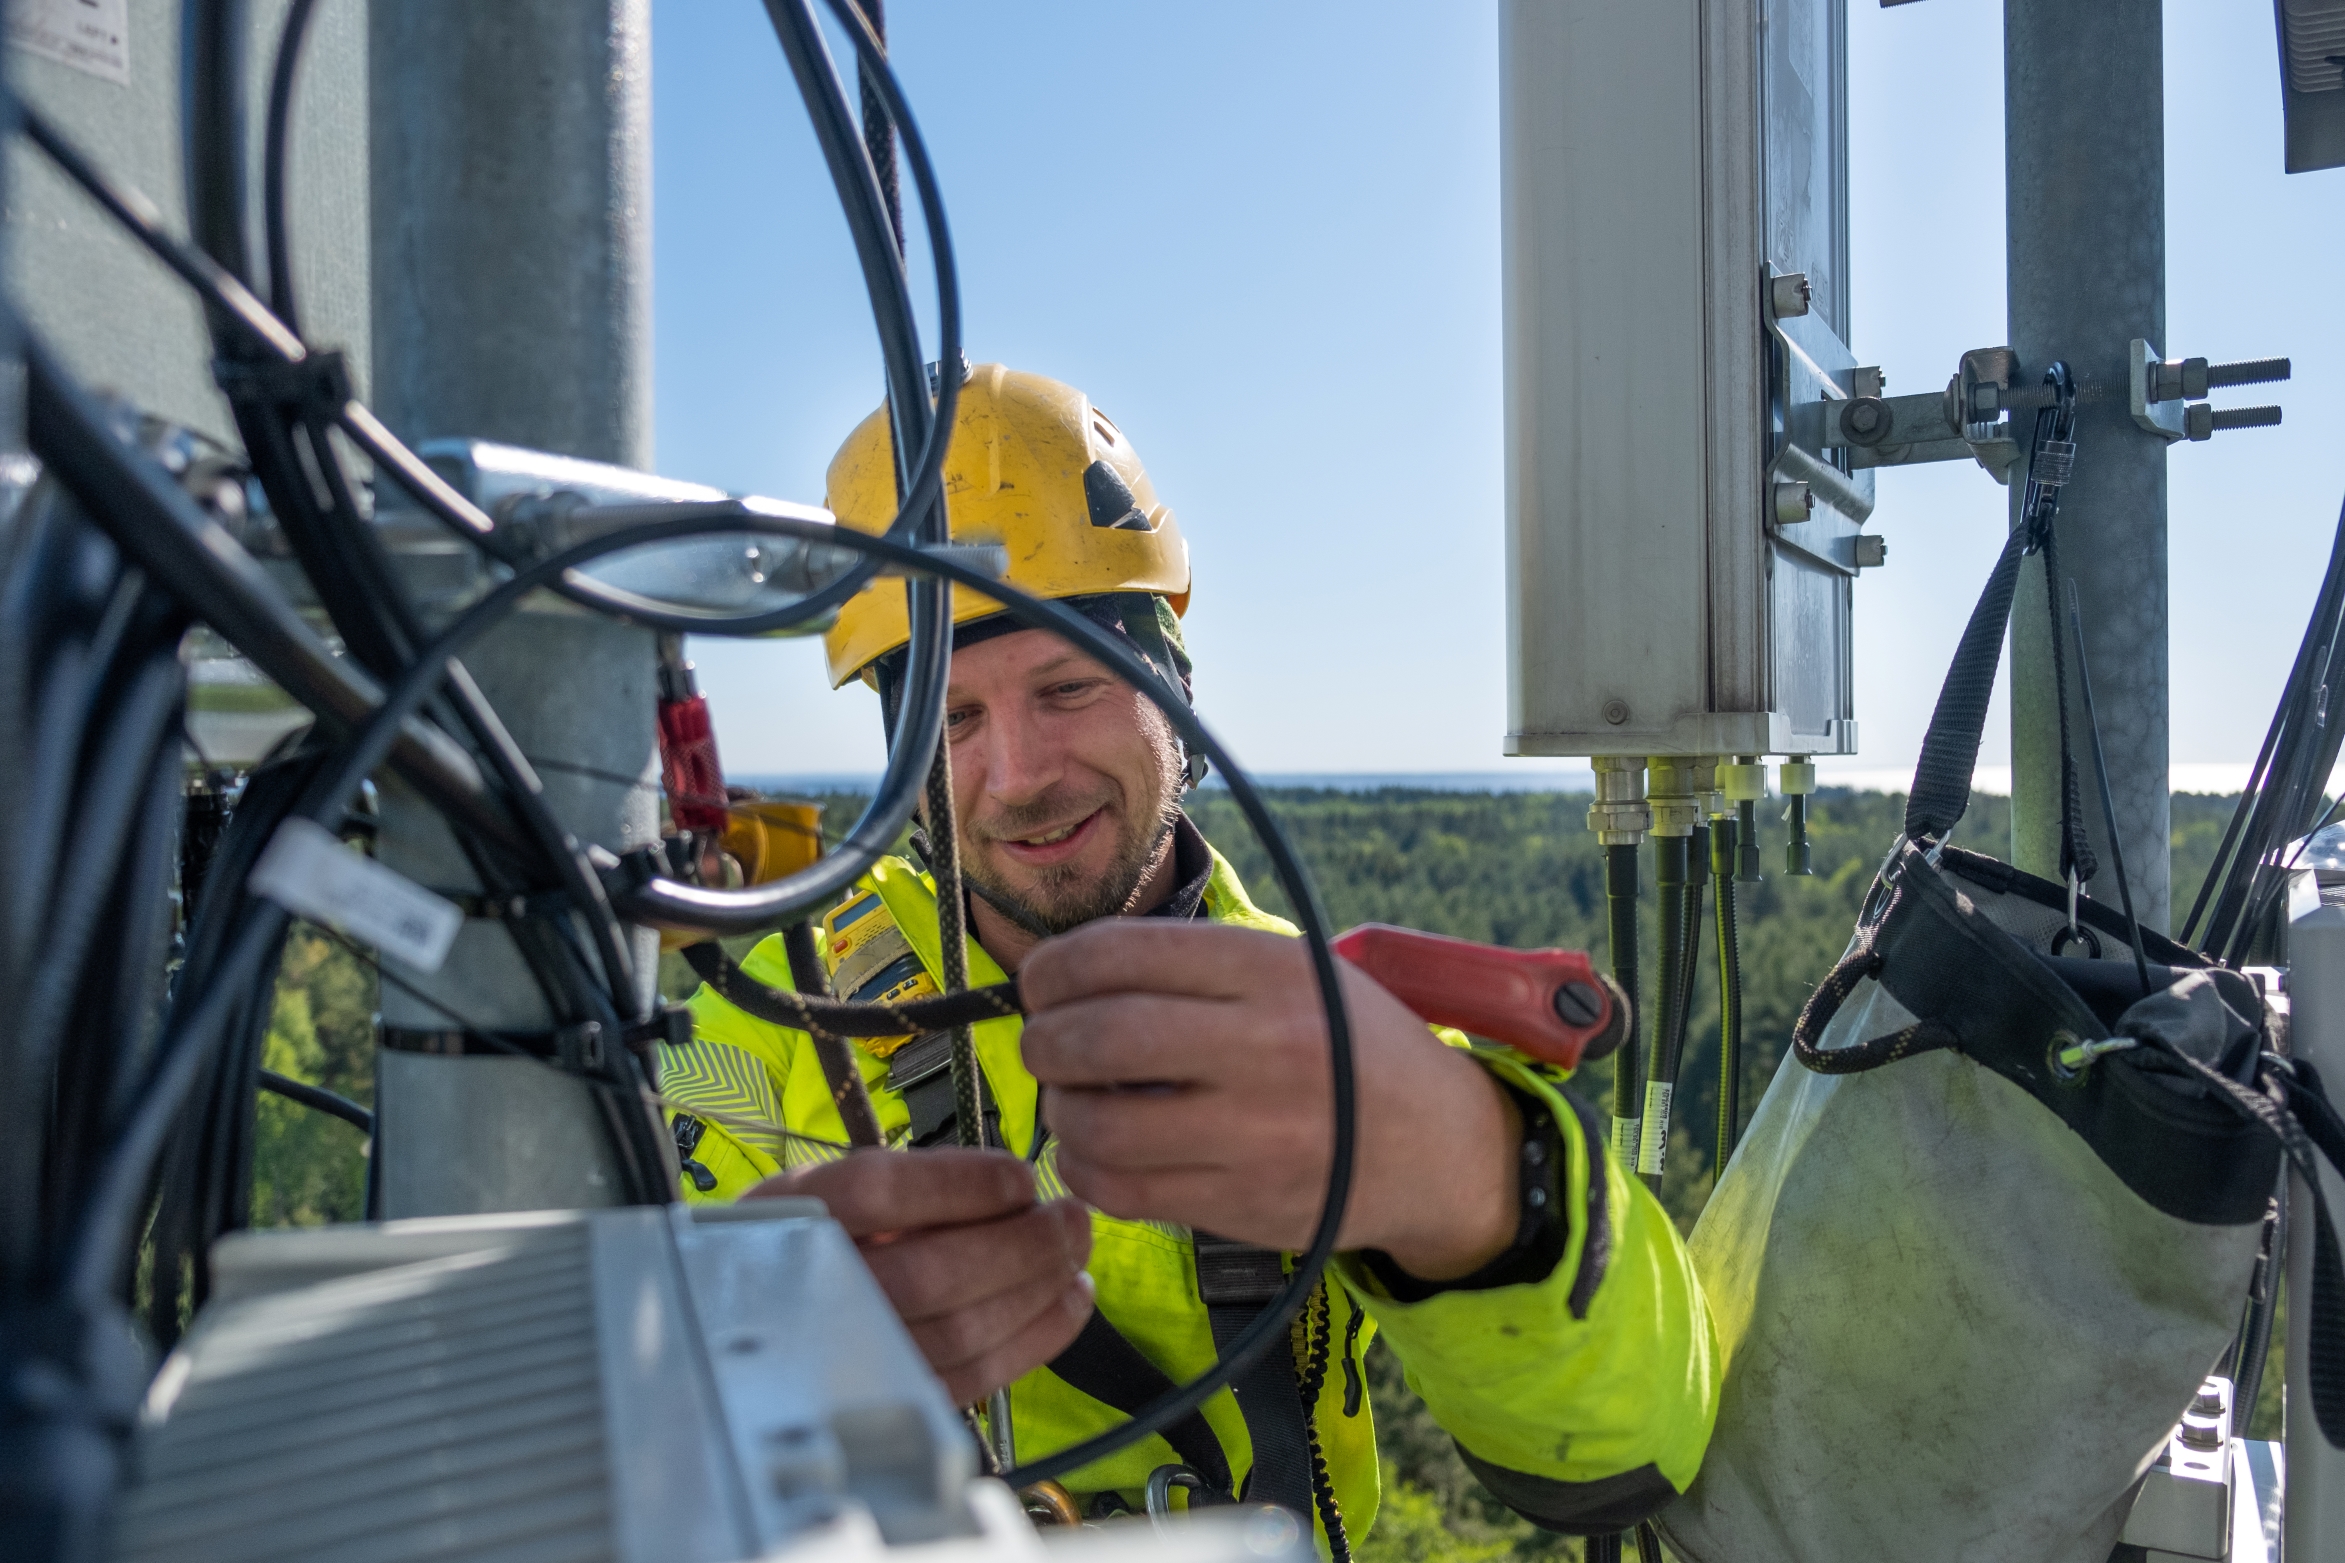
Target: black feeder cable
{"x": 1621, "y": 889}
{"x": 1669, "y": 853}
{"x": 1723, "y": 854}
{"x": 318, "y": 1099}
{"x": 1697, "y": 880}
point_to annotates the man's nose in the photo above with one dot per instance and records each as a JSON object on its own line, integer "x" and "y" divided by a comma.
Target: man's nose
{"x": 1021, "y": 762}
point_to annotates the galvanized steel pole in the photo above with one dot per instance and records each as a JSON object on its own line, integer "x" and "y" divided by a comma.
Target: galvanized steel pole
{"x": 511, "y": 195}
{"x": 2085, "y": 216}
{"x": 511, "y": 153}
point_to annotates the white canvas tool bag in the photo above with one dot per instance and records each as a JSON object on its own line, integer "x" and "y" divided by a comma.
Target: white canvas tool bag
{"x": 1968, "y": 1265}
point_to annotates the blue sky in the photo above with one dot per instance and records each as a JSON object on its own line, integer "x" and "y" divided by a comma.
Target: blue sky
{"x": 1265, "y": 239}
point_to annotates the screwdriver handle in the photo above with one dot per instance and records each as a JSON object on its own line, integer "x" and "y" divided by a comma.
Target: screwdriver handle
{"x": 1550, "y": 1005}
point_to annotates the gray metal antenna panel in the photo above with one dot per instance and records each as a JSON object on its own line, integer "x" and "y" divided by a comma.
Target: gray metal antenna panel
{"x": 121, "y": 322}
{"x": 1661, "y": 165}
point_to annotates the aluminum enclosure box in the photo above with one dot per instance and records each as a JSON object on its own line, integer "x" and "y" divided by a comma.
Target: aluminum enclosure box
{"x": 1663, "y": 164}
{"x": 648, "y": 1385}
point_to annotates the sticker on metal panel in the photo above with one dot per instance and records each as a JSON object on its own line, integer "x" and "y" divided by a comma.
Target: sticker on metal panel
{"x": 89, "y": 35}
{"x": 306, "y": 870}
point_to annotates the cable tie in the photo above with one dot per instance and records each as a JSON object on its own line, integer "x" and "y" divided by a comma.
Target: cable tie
{"x": 670, "y": 1025}
{"x": 580, "y": 1047}
{"x": 320, "y": 381}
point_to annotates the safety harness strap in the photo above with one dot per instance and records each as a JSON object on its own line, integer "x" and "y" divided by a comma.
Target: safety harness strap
{"x": 1237, "y": 1281}
{"x": 1111, "y": 1370}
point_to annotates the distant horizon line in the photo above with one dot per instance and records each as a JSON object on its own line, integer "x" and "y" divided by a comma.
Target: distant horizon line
{"x": 2220, "y": 778}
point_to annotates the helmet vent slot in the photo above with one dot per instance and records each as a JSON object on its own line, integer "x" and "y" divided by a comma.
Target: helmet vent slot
{"x": 1110, "y": 500}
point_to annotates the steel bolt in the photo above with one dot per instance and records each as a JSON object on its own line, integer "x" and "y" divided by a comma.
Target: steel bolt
{"x": 1865, "y": 420}
{"x": 1579, "y": 1003}
{"x": 1616, "y": 711}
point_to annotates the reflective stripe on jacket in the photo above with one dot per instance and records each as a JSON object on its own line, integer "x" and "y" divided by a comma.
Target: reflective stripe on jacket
{"x": 1582, "y": 1400}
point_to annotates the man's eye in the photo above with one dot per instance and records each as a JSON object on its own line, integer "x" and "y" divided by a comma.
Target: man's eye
{"x": 954, "y": 719}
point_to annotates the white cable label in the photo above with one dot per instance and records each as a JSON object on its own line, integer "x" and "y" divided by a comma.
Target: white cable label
{"x": 1624, "y": 1140}
{"x": 306, "y": 870}
{"x": 1653, "y": 1147}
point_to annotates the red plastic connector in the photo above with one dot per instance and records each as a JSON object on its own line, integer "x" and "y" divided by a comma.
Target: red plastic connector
{"x": 688, "y": 765}
{"x": 1550, "y": 1005}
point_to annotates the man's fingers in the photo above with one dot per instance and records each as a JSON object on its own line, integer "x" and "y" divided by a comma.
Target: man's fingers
{"x": 1190, "y": 1196}
{"x": 874, "y": 1191}
{"x": 1049, "y": 1331}
{"x": 1116, "y": 1039}
{"x": 930, "y": 1274}
{"x": 1151, "y": 955}
{"x": 1160, "y": 1132}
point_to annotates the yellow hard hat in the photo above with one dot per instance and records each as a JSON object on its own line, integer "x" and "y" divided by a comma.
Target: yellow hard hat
{"x": 1032, "y": 466}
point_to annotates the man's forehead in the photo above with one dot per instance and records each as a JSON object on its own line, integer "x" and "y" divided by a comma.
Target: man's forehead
{"x": 1020, "y": 656}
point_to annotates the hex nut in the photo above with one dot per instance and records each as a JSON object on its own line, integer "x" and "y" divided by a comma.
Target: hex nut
{"x": 1794, "y": 503}
{"x": 1789, "y": 294}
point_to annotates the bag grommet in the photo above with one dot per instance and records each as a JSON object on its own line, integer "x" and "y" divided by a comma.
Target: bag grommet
{"x": 2072, "y": 932}
{"x": 2062, "y": 1040}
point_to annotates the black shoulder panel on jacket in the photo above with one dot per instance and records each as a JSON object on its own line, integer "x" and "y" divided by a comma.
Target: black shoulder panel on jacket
{"x": 1598, "y": 1508}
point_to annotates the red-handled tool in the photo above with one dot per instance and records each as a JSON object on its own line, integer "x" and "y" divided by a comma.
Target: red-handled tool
{"x": 1551, "y": 1005}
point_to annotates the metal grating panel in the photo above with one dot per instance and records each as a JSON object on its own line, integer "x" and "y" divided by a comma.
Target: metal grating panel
{"x": 2314, "y": 43}
{"x": 450, "y": 1409}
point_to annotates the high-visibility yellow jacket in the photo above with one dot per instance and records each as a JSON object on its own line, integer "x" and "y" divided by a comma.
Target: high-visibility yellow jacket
{"x": 1582, "y": 1400}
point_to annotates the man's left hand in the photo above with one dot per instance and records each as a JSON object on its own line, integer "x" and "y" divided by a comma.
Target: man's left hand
{"x": 1186, "y": 1077}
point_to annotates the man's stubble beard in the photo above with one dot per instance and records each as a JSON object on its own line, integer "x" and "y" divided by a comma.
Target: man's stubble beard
{"x": 1067, "y": 897}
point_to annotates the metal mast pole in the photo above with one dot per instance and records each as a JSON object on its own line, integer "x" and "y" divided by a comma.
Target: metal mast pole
{"x": 511, "y": 178}
{"x": 2085, "y": 217}
{"x": 512, "y": 222}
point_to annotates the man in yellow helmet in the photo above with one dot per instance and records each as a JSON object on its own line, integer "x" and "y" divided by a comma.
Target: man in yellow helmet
{"x": 1538, "y": 1297}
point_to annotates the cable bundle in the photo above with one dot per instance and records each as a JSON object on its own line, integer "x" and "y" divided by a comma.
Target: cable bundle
{"x": 2284, "y": 799}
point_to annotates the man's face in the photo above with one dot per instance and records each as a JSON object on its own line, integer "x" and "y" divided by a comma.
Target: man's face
{"x": 1065, "y": 778}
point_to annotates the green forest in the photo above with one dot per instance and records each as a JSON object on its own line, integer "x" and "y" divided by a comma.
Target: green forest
{"x": 1517, "y": 869}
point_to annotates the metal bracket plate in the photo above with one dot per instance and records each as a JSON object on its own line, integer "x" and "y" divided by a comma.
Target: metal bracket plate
{"x": 2164, "y": 419}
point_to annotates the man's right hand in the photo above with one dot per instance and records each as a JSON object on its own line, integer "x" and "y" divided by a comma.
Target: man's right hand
{"x": 989, "y": 1281}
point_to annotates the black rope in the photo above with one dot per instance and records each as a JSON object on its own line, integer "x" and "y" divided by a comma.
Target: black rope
{"x": 814, "y": 1015}
{"x": 803, "y": 1012}
{"x": 1319, "y": 1331}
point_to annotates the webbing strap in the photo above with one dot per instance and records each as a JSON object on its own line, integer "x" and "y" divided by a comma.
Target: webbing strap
{"x": 1105, "y": 1365}
{"x": 1950, "y": 748}
{"x": 1237, "y": 1281}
